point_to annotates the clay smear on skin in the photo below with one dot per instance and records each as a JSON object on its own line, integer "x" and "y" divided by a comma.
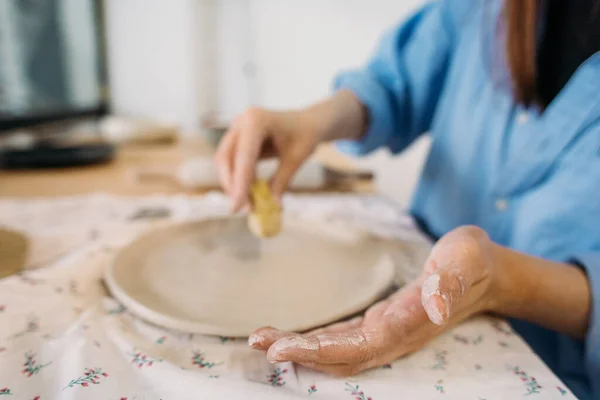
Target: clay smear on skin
{"x": 431, "y": 287}
{"x": 307, "y": 349}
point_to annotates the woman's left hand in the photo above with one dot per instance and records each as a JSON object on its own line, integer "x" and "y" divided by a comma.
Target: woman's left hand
{"x": 460, "y": 279}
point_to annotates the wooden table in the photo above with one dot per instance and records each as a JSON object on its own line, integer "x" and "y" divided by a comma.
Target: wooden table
{"x": 121, "y": 175}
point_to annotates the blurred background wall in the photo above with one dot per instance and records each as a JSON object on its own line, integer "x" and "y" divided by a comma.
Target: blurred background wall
{"x": 179, "y": 60}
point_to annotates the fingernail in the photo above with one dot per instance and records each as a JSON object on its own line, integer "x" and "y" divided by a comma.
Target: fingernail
{"x": 430, "y": 287}
{"x": 255, "y": 341}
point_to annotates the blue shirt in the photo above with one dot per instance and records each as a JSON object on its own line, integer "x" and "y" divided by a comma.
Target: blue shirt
{"x": 531, "y": 180}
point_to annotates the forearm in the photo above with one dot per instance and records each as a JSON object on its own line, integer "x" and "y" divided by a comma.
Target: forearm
{"x": 342, "y": 116}
{"x": 554, "y": 295}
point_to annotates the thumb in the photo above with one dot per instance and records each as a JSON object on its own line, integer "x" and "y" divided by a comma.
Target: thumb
{"x": 439, "y": 295}
{"x": 457, "y": 265}
{"x": 284, "y": 174}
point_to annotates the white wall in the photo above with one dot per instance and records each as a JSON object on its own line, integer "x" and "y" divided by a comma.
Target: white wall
{"x": 180, "y": 59}
{"x": 159, "y": 58}
{"x": 297, "y": 47}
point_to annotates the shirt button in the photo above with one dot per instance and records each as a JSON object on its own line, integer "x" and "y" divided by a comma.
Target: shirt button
{"x": 522, "y": 118}
{"x": 501, "y": 204}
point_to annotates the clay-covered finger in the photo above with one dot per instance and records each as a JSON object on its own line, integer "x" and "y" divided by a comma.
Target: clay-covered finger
{"x": 263, "y": 338}
{"x": 352, "y": 347}
{"x": 377, "y": 309}
{"x": 338, "y": 327}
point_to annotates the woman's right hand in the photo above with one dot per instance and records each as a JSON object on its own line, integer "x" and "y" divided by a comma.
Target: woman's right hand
{"x": 291, "y": 136}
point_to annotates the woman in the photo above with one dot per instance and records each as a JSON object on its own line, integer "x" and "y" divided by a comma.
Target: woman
{"x": 510, "y": 92}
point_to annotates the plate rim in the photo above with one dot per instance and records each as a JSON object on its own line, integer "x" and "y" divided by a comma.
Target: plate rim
{"x": 178, "y": 324}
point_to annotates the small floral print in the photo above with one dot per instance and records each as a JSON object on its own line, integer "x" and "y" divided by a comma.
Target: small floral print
{"x": 276, "y": 378}
{"x": 199, "y": 360}
{"x": 440, "y": 360}
{"x": 36, "y": 398}
{"x": 94, "y": 234}
{"x": 312, "y": 389}
{"x": 467, "y": 340}
{"x": 478, "y": 367}
{"x": 161, "y": 340}
{"x": 355, "y": 391}
{"x": 439, "y": 386}
{"x": 2, "y": 307}
{"x": 531, "y": 384}
{"x": 31, "y": 327}
{"x": 2, "y": 349}
{"x": 97, "y": 343}
{"x": 214, "y": 376}
{"x": 73, "y": 287}
{"x": 30, "y": 365}
{"x": 58, "y": 290}
{"x": 119, "y": 310}
{"x": 502, "y": 327}
{"x": 503, "y": 344}
{"x": 140, "y": 359}
{"x": 386, "y": 366}
{"x": 561, "y": 391}
{"x": 91, "y": 376}
{"x": 29, "y": 280}
{"x": 225, "y": 339}
{"x": 5, "y": 392}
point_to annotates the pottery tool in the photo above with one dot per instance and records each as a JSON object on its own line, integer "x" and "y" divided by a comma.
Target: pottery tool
{"x": 201, "y": 174}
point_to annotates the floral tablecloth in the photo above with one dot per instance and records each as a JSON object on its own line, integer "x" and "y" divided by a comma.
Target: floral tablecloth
{"x": 63, "y": 337}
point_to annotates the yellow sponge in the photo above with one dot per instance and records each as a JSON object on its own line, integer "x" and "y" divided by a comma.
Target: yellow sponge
{"x": 265, "y": 218}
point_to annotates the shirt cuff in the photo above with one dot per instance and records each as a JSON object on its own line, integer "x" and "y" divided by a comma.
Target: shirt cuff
{"x": 377, "y": 102}
{"x": 591, "y": 264}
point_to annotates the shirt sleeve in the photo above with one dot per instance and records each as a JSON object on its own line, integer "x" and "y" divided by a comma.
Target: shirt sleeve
{"x": 401, "y": 84}
{"x": 591, "y": 264}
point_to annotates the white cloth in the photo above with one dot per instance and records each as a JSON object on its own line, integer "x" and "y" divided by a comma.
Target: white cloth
{"x": 63, "y": 337}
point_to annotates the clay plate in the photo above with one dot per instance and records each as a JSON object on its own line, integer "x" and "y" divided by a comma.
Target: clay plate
{"x": 214, "y": 277}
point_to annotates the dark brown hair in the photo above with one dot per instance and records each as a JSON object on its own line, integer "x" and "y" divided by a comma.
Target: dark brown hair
{"x": 521, "y": 47}
{"x": 521, "y": 22}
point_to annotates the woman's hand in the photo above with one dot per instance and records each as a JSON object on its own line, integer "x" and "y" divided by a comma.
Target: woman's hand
{"x": 290, "y": 136}
{"x": 461, "y": 278}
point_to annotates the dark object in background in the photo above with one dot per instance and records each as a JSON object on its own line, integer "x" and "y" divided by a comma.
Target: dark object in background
{"x": 52, "y": 69}
{"x": 53, "y": 65}
{"x": 57, "y": 157}
{"x": 69, "y": 143}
